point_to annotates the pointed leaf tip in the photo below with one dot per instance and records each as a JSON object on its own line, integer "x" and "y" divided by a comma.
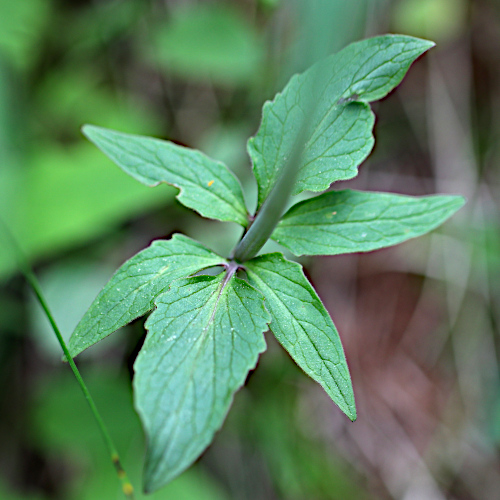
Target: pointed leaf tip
{"x": 302, "y": 325}
{"x": 339, "y": 222}
{"x": 131, "y": 291}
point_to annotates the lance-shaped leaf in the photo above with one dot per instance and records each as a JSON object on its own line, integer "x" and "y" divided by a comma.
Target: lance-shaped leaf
{"x": 131, "y": 291}
{"x": 205, "y": 185}
{"x": 355, "y": 221}
{"x": 204, "y": 336}
{"x": 303, "y": 326}
{"x": 330, "y": 98}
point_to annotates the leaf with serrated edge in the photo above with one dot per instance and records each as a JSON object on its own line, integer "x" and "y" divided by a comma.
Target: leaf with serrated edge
{"x": 205, "y": 185}
{"x": 131, "y": 291}
{"x": 302, "y": 325}
{"x": 339, "y": 122}
{"x": 348, "y": 221}
{"x": 204, "y": 336}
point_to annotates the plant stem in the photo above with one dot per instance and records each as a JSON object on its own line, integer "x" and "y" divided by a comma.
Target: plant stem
{"x": 273, "y": 207}
{"x": 271, "y": 211}
{"x": 127, "y": 487}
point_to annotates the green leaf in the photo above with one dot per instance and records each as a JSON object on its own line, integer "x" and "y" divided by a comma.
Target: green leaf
{"x": 339, "y": 121}
{"x": 204, "y": 336}
{"x": 131, "y": 291}
{"x": 303, "y": 326}
{"x": 355, "y": 221}
{"x": 206, "y": 185}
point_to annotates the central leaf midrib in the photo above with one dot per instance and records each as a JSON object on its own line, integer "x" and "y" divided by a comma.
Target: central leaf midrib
{"x": 199, "y": 343}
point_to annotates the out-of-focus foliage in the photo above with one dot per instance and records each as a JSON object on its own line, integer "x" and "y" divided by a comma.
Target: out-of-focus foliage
{"x": 63, "y": 424}
{"x": 22, "y": 28}
{"x": 437, "y": 20}
{"x": 210, "y": 40}
{"x": 55, "y": 190}
{"x": 420, "y": 322}
{"x": 85, "y": 278}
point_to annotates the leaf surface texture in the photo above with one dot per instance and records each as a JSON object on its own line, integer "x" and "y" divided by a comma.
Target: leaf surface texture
{"x": 348, "y": 221}
{"x": 331, "y": 100}
{"x": 205, "y": 185}
{"x": 131, "y": 291}
{"x": 303, "y": 326}
{"x": 204, "y": 336}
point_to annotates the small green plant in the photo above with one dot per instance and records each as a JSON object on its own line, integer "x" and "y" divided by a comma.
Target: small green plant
{"x": 206, "y": 332}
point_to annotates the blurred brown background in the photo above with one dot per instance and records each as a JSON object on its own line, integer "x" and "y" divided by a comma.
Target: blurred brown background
{"x": 419, "y": 321}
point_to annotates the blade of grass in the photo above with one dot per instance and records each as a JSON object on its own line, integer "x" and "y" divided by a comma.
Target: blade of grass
{"x": 32, "y": 280}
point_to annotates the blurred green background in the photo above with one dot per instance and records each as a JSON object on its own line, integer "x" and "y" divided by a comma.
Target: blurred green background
{"x": 419, "y": 322}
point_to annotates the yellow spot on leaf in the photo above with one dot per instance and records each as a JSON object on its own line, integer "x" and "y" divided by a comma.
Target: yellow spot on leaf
{"x": 128, "y": 489}
{"x": 210, "y": 183}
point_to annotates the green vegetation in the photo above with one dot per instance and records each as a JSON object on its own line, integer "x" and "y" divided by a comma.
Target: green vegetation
{"x": 206, "y": 332}
{"x": 418, "y": 320}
